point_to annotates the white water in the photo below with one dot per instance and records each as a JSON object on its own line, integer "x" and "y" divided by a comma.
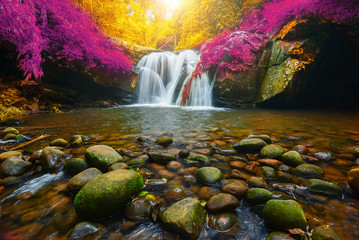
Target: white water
{"x": 162, "y": 76}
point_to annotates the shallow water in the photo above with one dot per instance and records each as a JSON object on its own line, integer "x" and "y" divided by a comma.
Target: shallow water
{"x": 47, "y": 213}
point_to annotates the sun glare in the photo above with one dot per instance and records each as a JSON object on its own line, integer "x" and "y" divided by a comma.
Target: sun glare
{"x": 172, "y": 4}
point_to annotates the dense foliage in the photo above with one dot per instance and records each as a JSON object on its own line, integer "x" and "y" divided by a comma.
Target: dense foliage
{"x": 56, "y": 30}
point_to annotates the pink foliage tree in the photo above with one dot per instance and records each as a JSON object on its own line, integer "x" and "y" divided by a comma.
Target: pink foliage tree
{"x": 58, "y": 30}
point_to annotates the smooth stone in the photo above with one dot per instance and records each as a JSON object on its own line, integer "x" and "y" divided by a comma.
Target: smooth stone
{"x": 252, "y": 145}
{"x": 139, "y": 208}
{"x": 272, "y": 151}
{"x": 118, "y": 166}
{"x": 322, "y": 233}
{"x": 161, "y": 158}
{"x": 5, "y": 155}
{"x": 85, "y": 230}
{"x": 222, "y": 202}
{"x": 183, "y": 153}
{"x": 14, "y": 166}
{"x": 236, "y": 188}
{"x": 164, "y": 141}
{"x": 323, "y": 187}
{"x": 237, "y": 164}
{"x": 75, "y": 165}
{"x": 284, "y": 215}
{"x": 284, "y": 177}
{"x": 285, "y": 168}
{"x": 309, "y": 171}
{"x": 9, "y": 181}
{"x": 258, "y": 196}
{"x": 50, "y": 157}
{"x": 175, "y": 193}
{"x": 197, "y": 159}
{"x": 60, "y": 142}
{"x": 10, "y": 130}
{"x": 301, "y": 149}
{"x": 209, "y": 175}
{"x": 186, "y": 217}
{"x": 102, "y": 156}
{"x": 207, "y": 192}
{"x": 264, "y": 137}
{"x": 174, "y": 165}
{"x": 269, "y": 162}
{"x": 353, "y": 179}
{"x": 223, "y": 221}
{"x": 324, "y": 156}
{"x": 256, "y": 182}
{"x": 268, "y": 172}
{"x": 137, "y": 162}
{"x": 155, "y": 184}
{"x": 10, "y": 136}
{"x": 279, "y": 236}
{"x": 292, "y": 158}
{"x": 76, "y": 141}
{"x": 81, "y": 179}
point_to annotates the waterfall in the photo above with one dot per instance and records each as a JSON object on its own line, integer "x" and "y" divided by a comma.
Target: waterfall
{"x": 162, "y": 76}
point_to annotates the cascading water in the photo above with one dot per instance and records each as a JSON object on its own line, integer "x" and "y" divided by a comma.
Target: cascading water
{"x": 162, "y": 76}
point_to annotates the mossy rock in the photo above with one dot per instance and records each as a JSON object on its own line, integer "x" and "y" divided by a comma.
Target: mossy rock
{"x": 186, "y": 216}
{"x": 9, "y": 130}
{"x": 164, "y": 141}
{"x": 264, "y": 137}
{"x": 256, "y": 182}
{"x": 14, "y": 166}
{"x": 76, "y": 141}
{"x": 161, "y": 158}
{"x": 10, "y": 136}
{"x": 309, "y": 171}
{"x": 292, "y": 158}
{"x": 107, "y": 194}
{"x": 102, "y": 156}
{"x": 285, "y": 168}
{"x": 251, "y": 145}
{"x": 209, "y": 175}
{"x": 9, "y": 181}
{"x": 137, "y": 162}
{"x": 323, "y": 187}
{"x": 324, "y": 233}
{"x": 268, "y": 172}
{"x": 76, "y": 165}
{"x": 284, "y": 215}
{"x": 81, "y": 179}
{"x": 5, "y": 155}
{"x": 197, "y": 159}
{"x": 118, "y": 166}
{"x": 272, "y": 151}
{"x": 50, "y": 157}
{"x": 279, "y": 236}
{"x": 258, "y": 196}
{"x": 60, "y": 142}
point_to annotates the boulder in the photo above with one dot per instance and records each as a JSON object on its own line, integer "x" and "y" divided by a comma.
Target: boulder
{"x": 186, "y": 217}
{"x": 107, "y": 194}
{"x": 272, "y": 151}
{"x": 75, "y": 165}
{"x": 284, "y": 215}
{"x": 222, "y": 202}
{"x": 164, "y": 141}
{"x": 209, "y": 175}
{"x": 81, "y": 179}
{"x": 308, "y": 171}
{"x": 50, "y": 158}
{"x": 353, "y": 179}
{"x": 251, "y": 145}
{"x": 5, "y": 155}
{"x": 292, "y": 158}
{"x": 161, "y": 158}
{"x": 197, "y": 159}
{"x": 60, "y": 142}
{"x": 102, "y": 156}
{"x": 323, "y": 187}
{"x": 14, "y": 166}
{"x": 258, "y": 196}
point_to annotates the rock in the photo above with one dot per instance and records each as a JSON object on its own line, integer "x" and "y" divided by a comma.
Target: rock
{"x": 301, "y": 149}
{"x": 236, "y": 188}
{"x": 186, "y": 217}
{"x": 285, "y": 168}
{"x": 323, "y": 233}
{"x": 50, "y": 157}
{"x": 284, "y": 215}
{"x": 75, "y": 165}
{"x": 183, "y": 153}
{"x": 102, "y": 156}
{"x": 107, "y": 194}
{"x": 292, "y": 158}
{"x": 279, "y": 236}
{"x": 10, "y": 130}
{"x": 161, "y": 158}
{"x": 209, "y": 175}
{"x": 197, "y": 159}
{"x": 141, "y": 139}
{"x": 81, "y": 179}
{"x": 268, "y": 172}
{"x": 269, "y": 162}
{"x": 139, "y": 208}
{"x": 264, "y": 137}
{"x": 356, "y": 152}
{"x": 223, "y": 221}
{"x": 22, "y": 138}
{"x": 86, "y": 230}
{"x": 284, "y": 177}
{"x": 323, "y": 187}
{"x": 174, "y": 165}
{"x": 256, "y": 182}
{"x": 258, "y": 196}
{"x": 155, "y": 184}
{"x": 252, "y": 145}
{"x": 10, "y": 136}
{"x": 60, "y": 142}
{"x": 272, "y": 151}
{"x": 14, "y": 166}
{"x": 353, "y": 179}
{"x": 175, "y": 193}
{"x": 76, "y": 141}
{"x": 324, "y": 156}
{"x": 222, "y": 202}
{"x": 208, "y": 192}
{"x": 137, "y": 162}
{"x": 5, "y": 155}
{"x": 164, "y": 141}
{"x": 9, "y": 181}
{"x": 309, "y": 171}
{"x": 118, "y": 166}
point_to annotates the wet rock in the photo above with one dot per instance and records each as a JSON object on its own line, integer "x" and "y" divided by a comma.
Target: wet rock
{"x": 86, "y": 230}
{"x": 183, "y": 153}
{"x": 237, "y": 164}
{"x": 5, "y": 155}
{"x": 209, "y": 175}
{"x": 197, "y": 159}
{"x": 269, "y": 162}
{"x": 256, "y": 182}
{"x": 268, "y": 172}
{"x": 356, "y": 152}
{"x": 164, "y": 141}
{"x": 301, "y": 149}
{"x": 137, "y": 162}
{"x": 118, "y": 166}
{"x": 258, "y": 196}
{"x": 10, "y": 136}
{"x": 284, "y": 215}
{"x": 186, "y": 217}
{"x": 107, "y": 194}
{"x": 208, "y": 192}
{"x": 60, "y": 142}
{"x": 236, "y": 188}
{"x": 102, "y": 156}
{"x": 223, "y": 221}
{"x": 14, "y": 166}
{"x": 222, "y": 202}
{"x": 10, "y": 130}
{"x": 353, "y": 179}
{"x": 50, "y": 157}
{"x": 81, "y": 179}
{"x": 22, "y": 138}
{"x": 155, "y": 184}
{"x": 141, "y": 139}
{"x": 187, "y": 171}
{"x": 284, "y": 177}
{"x": 9, "y": 181}
{"x": 174, "y": 165}
{"x": 324, "y": 156}
{"x": 221, "y": 152}
{"x": 323, "y": 187}
{"x": 75, "y": 165}
{"x": 161, "y": 158}
{"x": 264, "y": 137}
{"x": 76, "y": 141}
{"x": 309, "y": 171}
{"x": 252, "y": 145}
{"x": 292, "y": 158}
{"x": 285, "y": 168}
{"x": 279, "y": 236}
{"x": 166, "y": 174}
{"x": 272, "y": 151}
{"x": 139, "y": 208}
{"x": 310, "y": 159}
{"x": 175, "y": 193}
{"x": 324, "y": 233}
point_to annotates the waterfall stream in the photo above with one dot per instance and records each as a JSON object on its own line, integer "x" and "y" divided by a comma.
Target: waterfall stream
{"x": 162, "y": 76}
